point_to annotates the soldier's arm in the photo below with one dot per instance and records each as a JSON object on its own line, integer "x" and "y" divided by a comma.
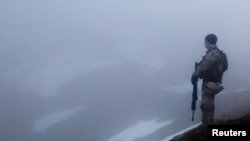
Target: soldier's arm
{"x": 207, "y": 62}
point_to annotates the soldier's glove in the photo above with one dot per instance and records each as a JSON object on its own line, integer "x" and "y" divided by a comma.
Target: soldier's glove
{"x": 194, "y": 79}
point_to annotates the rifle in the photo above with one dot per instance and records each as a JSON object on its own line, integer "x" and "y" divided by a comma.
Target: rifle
{"x": 194, "y": 95}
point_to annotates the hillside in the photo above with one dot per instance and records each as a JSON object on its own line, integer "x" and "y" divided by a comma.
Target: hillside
{"x": 197, "y": 134}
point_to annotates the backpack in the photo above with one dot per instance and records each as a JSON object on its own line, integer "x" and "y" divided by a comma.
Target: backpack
{"x": 223, "y": 61}
{"x": 222, "y": 66}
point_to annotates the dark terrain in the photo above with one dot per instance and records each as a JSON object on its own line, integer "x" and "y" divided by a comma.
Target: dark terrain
{"x": 198, "y": 134}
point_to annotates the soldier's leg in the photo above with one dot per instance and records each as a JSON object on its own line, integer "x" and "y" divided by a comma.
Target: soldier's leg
{"x": 207, "y": 107}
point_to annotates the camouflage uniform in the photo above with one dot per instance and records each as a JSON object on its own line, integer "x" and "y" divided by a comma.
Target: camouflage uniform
{"x": 207, "y": 106}
{"x": 207, "y": 98}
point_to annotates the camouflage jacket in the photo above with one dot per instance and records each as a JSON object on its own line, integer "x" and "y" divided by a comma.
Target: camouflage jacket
{"x": 207, "y": 63}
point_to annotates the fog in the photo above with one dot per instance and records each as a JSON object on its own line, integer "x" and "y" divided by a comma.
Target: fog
{"x": 113, "y": 70}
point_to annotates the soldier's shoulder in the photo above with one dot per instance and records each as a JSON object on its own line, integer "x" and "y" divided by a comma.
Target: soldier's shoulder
{"x": 212, "y": 54}
{"x": 215, "y": 52}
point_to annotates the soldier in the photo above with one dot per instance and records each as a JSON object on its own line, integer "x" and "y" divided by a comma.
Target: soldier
{"x": 210, "y": 72}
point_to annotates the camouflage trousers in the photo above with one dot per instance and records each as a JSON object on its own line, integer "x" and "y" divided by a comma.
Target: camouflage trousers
{"x": 207, "y": 106}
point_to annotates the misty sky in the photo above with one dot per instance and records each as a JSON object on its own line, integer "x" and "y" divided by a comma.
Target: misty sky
{"x": 44, "y": 43}
{"x": 53, "y": 48}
